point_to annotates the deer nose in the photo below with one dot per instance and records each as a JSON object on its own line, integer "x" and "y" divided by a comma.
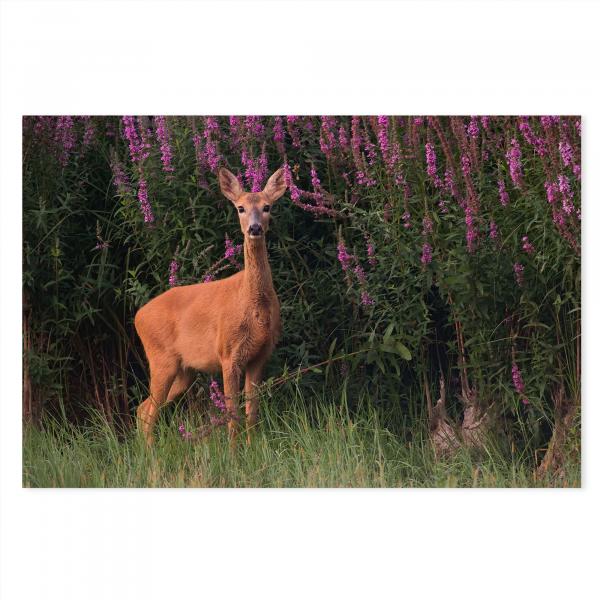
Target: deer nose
{"x": 255, "y": 229}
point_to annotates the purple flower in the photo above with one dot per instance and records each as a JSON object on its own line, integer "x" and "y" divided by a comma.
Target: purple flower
{"x": 518, "y": 382}
{"x": 537, "y": 142}
{"x": 406, "y": 219}
{"x": 382, "y": 135}
{"x": 211, "y": 153}
{"x": 173, "y": 268}
{"x": 287, "y": 176}
{"x": 473, "y": 128}
{"x": 138, "y": 148}
{"x": 485, "y": 122}
{"x": 502, "y": 192}
{"x": 514, "y": 163}
{"x": 519, "y": 270}
{"x": 65, "y": 138}
{"x": 88, "y": 132}
{"x": 558, "y": 217}
{"x": 371, "y": 253}
{"x": 254, "y": 125}
{"x": 234, "y": 124}
{"x": 465, "y": 163}
{"x": 426, "y": 254}
{"x": 343, "y": 256}
{"x": 418, "y": 121}
{"x": 449, "y": 184}
{"x": 316, "y": 184}
{"x": 551, "y": 191}
{"x": 211, "y": 125}
{"x": 548, "y": 121}
{"x": 145, "y": 136}
{"x": 360, "y": 274}
{"x": 43, "y": 125}
{"x": 231, "y": 250}
{"x": 261, "y": 172}
{"x": 343, "y": 139}
{"x": 120, "y": 179}
{"x": 371, "y": 152}
{"x": 217, "y": 397}
{"x": 255, "y": 170}
{"x": 363, "y": 178}
{"x": 527, "y": 245}
{"x": 144, "y": 202}
{"x": 293, "y": 130}
{"x": 296, "y": 193}
{"x": 431, "y": 160}
{"x": 565, "y": 189}
{"x": 327, "y": 138}
{"x": 197, "y": 140}
{"x": 493, "y": 230}
{"x": 566, "y": 152}
{"x": 208, "y": 277}
{"x": 162, "y": 135}
{"x": 365, "y": 299}
{"x": 186, "y": 435}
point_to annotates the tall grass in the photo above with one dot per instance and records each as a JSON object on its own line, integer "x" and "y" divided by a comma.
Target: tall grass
{"x": 299, "y": 442}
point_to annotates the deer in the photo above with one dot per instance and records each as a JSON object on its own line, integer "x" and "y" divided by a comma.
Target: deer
{"x": 231, "y": 324}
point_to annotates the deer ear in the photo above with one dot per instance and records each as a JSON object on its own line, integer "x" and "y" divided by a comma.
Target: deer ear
{"x": 230, "y": 186}
{"x": 276, "y": 186}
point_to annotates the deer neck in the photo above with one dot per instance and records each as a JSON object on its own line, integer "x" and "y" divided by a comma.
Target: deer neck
{"x": 257, "y": 272}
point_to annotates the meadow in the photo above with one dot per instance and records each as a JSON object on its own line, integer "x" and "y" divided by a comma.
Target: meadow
{"x": 428, "y": 270}
{"x": 299, "y": 442}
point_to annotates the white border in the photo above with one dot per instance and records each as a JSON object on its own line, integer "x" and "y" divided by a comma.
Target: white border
{"x": 314, "y": 58}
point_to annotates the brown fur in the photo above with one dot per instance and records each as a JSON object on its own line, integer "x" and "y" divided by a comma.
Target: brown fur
{"x": 230, "y": 325}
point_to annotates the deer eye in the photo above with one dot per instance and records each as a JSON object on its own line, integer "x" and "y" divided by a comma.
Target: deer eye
{"x": 266, "y": 208}
{"x": 241, "y": 209}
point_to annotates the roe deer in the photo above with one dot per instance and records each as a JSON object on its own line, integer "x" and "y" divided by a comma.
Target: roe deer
{"x": 231, "y": 324}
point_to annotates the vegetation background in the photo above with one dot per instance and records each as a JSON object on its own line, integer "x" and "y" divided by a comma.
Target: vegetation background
{"x": 429, "y": 275}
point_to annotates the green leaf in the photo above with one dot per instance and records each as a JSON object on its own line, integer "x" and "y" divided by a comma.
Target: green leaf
{"x": 403, "y": 351}
{"x": 388, "y": 332}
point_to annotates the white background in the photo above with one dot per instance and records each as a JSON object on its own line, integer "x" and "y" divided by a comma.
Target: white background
{"x": 289, "y": 58}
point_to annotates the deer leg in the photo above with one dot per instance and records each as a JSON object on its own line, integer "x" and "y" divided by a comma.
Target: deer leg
{"x": 231, "y": 386}
{"x": 253, "y": 377}
{"x": 161, "y": 379}
{"x": 182, "y": 382}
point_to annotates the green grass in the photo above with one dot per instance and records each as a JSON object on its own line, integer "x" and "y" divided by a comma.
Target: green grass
{"x": 294, "y": 446}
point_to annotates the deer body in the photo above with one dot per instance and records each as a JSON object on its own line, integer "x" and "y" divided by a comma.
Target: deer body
{"x": 230, "y": 325}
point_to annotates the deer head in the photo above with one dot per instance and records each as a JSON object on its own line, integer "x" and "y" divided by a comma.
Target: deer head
{"x": 254, "y": 208}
